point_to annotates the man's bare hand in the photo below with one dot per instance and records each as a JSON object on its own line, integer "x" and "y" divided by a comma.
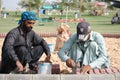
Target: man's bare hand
{"x": 70, "y": 63}
{"x": 85, "y": 69}
{"x": 47, "y": 59}
{"x": 19, "y": 66}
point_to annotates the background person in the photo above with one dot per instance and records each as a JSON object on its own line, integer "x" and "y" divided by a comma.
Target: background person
{"x": 62, "y": 36}
{"x": 115, "y": 19}
{"x": 85, "y": 49}
{"x": 22, "y": 45}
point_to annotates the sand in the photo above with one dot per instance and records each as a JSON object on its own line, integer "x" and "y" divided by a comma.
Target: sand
{"x": 113, "y": 51}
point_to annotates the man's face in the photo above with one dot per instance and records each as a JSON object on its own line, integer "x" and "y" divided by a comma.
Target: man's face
{"x": 28, "y": 25}
{"x": 84, "y": 37}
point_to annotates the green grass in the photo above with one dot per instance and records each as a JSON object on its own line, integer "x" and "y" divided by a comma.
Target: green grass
{"x": 100, "y": 24}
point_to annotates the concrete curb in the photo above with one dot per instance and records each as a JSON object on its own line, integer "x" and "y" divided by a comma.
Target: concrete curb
{"x": 59, "y": 77}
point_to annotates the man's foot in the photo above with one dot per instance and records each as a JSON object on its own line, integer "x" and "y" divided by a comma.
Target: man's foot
{"x": 32, "y": 72}
{"x": 33, "y": 69}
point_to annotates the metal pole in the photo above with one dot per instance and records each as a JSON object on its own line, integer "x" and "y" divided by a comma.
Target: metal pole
{"x": 0, "y": 7}
{"x": 66, "y": 15}
{"x": 67, "y": 10}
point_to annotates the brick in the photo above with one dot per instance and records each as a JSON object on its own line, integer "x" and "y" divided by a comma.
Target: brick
{"x": 101, "y": 77}
{"x": 114, "y": 70}
{"x": 118, "y": 70}
{"x": 74, "y": 77}
{"x": 78, "y": 71}
{"x": 18, "y": 77}
{"x": 55, "y": 69}
{"x": 90, "y": 72}
{"x": 102, "y": 71}
{"x": 96, "y": 71}
{"x": 46, "y": 77}
{"x": 108, "y": 71}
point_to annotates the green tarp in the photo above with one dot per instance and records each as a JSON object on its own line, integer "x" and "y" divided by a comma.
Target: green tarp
{"x": 50, "y": 7}
{"x": 47, "y": 7}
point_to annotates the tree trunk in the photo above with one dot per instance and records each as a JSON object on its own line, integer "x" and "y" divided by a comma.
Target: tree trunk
{"x": 0, "y": 7}
{"x": 38, "y": 11}
{"x": 80, "y": 7}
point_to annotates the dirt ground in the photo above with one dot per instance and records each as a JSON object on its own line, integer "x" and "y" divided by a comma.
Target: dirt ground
{"x": 113, "y": 51}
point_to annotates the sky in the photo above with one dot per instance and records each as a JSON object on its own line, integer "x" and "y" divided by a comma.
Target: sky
{"x": 13, "y": 4}
{"x": 10, "y": 4}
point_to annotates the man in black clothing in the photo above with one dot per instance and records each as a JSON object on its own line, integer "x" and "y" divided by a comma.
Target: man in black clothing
{"x": 22, "y": 45}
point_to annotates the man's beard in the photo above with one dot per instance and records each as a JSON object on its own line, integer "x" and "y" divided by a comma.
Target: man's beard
{"x": 26, "y": 28}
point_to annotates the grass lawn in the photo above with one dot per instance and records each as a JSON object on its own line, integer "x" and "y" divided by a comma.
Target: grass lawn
{"x": 100, "y": 24}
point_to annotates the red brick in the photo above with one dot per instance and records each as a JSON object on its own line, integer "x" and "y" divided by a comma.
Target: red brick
{"x": 96, "y": 71}
{"x": 55, "y": 69}
{"x": 78, "y": 71}
{"x": 91, "y": 72}
{"x": 108, "y": 71}
{"x": 114, "y": 70}
{"x": 118, "y": 70}
{"x": 102, "y": 71}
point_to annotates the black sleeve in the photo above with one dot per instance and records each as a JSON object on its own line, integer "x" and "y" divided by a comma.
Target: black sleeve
{"x": 8, "y": 46}
{"x": 45, "y": 47}
{"x": 40, "y": 41}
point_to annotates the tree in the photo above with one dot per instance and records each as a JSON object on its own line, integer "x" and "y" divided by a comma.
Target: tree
{"x": 31, "y": 4}
{"x": 26, "y": 4}
{"x": 79, "y": 5}
{"x": 37, "y": 4}
{"x": 0, "y": 6}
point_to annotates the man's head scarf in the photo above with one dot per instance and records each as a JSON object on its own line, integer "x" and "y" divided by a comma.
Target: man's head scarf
{"x": 27, "y": 15}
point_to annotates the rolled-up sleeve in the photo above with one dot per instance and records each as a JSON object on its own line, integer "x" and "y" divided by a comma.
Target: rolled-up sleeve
{"x": 40, "y": 41}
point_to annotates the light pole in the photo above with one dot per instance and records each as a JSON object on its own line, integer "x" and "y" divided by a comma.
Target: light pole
{"x": 0, "y": 7}
{"x": 67, "y": 1}
{"x": 66, "y": 14}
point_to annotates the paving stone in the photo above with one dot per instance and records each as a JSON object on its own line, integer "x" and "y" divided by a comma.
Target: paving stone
{"x": 46, "y": 77}
{"x": 18, "y": 77}
{"x": 2, "y": 77}
{"x": 74, "y": 77}
{"x": 117, "y": 76}
{"x": 101, "y": 77}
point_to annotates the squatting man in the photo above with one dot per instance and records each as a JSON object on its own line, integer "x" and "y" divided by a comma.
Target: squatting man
{"x": 23, "y": 46}
{"x": 85, "y": 49}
